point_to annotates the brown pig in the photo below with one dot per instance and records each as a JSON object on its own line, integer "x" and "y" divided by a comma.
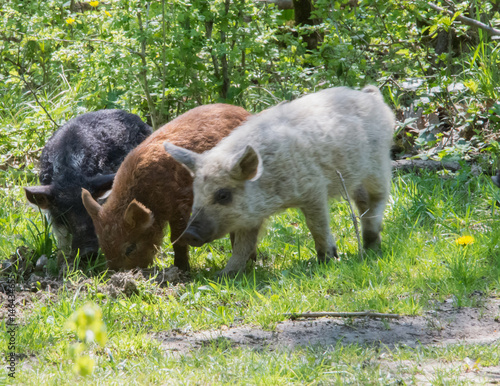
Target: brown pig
{"x": 151, "y": 188}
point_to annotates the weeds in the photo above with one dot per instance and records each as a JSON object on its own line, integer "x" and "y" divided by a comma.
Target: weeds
{"x": 421, "y": 263}
{"x": 41, "y": 241}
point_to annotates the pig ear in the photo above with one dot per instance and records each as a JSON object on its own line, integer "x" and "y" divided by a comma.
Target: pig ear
{"x": 101, "y": 184}
{"x": 92, "y": 206}
{"x": 248, "y": 165}
{"x": 39, "y": 195}
{"x": 186, "y": 157}
{"x": 138, "y": 216}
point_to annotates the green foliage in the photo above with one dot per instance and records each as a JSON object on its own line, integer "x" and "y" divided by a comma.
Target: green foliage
{"x": 89, "y": 327}
{"x": 159, "y": 59}
{"x": 43, "y": 242}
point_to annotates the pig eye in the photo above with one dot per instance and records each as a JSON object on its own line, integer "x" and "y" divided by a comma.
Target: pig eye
{"x": 131, "y": 248}
{"x": 223, "y": 196}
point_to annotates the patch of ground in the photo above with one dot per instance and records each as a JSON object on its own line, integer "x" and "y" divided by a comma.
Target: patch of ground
{"x": 50, "y": 274}
{"x": 446, "y": 324}
{"x": 426, "y": 372}
{"x": 42, "y": 286}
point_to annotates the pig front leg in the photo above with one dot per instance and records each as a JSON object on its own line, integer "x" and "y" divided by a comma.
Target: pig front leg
{"x": 318, "y": 222}
{"x": 181, "y": 250}
{"x": 253, "y": 256}
{"x": 244, "y": 246}
{"x": 181, "y": 257}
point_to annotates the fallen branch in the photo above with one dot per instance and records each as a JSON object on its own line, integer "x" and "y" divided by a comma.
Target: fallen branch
{"x": 353, "y": 216}
{"x": 368, "y": 314}
{"x": 410, "y": 165}
{"x": 466, "y": 20}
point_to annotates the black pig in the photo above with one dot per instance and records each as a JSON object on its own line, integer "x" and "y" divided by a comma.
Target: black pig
{"x": 84, "y": 153}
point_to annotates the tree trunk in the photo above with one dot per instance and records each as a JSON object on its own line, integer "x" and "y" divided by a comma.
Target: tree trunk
{"x": 303, "y": 17}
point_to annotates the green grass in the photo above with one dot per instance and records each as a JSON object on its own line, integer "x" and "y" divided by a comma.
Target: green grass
{"x": 420, "y": 264}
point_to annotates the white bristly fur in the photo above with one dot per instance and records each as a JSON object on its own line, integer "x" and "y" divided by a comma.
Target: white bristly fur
{"x": 301, "y": 146}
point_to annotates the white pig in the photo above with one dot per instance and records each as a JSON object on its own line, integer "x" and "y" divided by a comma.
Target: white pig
{"x": 289, "y": 156}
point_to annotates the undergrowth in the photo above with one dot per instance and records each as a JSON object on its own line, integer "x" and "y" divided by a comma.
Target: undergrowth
{"x": 423, "y": 262}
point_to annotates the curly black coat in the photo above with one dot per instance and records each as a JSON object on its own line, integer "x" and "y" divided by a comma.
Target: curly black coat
{"x": 84, "y": 153}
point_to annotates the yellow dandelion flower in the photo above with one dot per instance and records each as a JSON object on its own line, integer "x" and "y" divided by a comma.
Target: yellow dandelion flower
{"x": 107, "y": 13}
{"x": 94, "y": 3}
{"x": 70, "y": 20}
{"x": 465, "y": 240}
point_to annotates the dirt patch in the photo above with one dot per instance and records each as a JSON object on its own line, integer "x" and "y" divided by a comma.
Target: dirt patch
{"x": 44, "y": 287}
{"x": 427, "y": 372}
{"x": 128, "y": 283}
{"x": 42, "y": 279}
{"x": 444, "y": 325}
{"x": 46, "y": 274}
{"x": 447, "y": 324}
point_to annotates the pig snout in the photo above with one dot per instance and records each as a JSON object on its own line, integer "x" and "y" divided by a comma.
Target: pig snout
{"x": 86, "y": 245}
{"x": 193, "y": 237}
{"x": 199, "y": 232}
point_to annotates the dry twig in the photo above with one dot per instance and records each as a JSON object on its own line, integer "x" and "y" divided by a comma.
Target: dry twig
{"x": 369, "y": 314}
{"x": 353, "y": 216}
{"x": 37, "y": 100}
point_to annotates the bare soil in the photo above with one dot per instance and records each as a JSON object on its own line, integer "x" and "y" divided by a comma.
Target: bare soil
{"x": 40, "y": 287}
{"x": 446, "y": 324}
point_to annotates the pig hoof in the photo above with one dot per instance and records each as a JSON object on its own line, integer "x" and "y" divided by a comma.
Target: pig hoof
{"x": 377, "y": 248}
{"x": 328, "y": 256}
{"x": 226, "y": 274}
{"x": 371, "y": 240}
{"x": 373, "y": 246}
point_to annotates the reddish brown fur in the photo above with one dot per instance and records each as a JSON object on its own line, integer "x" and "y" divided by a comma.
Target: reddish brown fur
{"x": 163, "y": 187}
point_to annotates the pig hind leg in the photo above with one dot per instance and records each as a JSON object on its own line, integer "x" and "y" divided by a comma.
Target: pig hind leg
{"x": 371, "y": 207}
{"x": 318, "y": 222}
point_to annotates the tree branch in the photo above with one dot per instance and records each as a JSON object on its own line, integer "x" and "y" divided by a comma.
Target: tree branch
{"x": 87, "y": 40}
{"x": 209, "y": 28}
{"x": 225, "y": 66}
{"x": 413, "y": 165}
{"x": 163, "y": 71}
{"x": 466, "y": 20}
{"x": 10, "y": 39}
{"x": 37, "y": 100}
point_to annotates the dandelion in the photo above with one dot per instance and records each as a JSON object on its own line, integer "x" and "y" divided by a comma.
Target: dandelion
{"x": 94, "y": 3}
{"x": 465, "y": 240}
{"x": 70, "y": 20}
{"x": 107, "y": 13}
